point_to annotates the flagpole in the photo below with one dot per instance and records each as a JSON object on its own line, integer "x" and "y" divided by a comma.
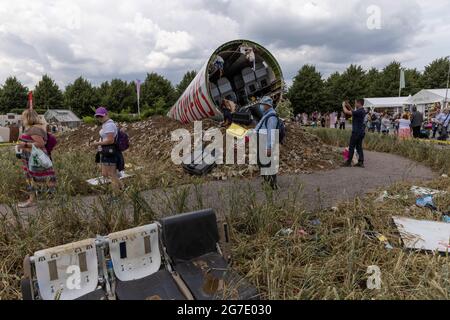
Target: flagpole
{"x": 448, "y": 82}
{"x": 400, "y": 84}
{"x": 138, "y": 91}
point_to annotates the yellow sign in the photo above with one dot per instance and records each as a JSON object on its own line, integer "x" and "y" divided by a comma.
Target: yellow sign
{"x": 237, "y": 131}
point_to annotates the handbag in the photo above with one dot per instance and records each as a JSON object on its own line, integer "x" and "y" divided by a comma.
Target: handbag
{"x": 39, "y": 159}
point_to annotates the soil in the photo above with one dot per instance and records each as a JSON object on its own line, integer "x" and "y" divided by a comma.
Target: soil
{"x": 150, "y": 143}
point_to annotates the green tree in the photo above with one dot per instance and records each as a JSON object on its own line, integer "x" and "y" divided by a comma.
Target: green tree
{"x": 372, "y": 83}
{"x": 102, "y": 92}
{"x": 306, "y": 92}
{"x": 389, "y": 80}
{"x": 185, "y": 82}
{"x": 81, "y": 97}
{"x": 435, "y": 74}
{"x": 156, "y": 87}
{"x": 414, "y": 82}
{"x": 13, "y": 95}
{"x": 353, "y": 83}
{"x": 119, "y": 97}
{"x": 47, "y": 94}
{"x": 333, "y": 92}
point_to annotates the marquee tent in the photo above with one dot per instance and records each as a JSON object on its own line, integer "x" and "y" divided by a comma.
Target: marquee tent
{"x": 394, "y": 103}
{"x": 429, "y": 96}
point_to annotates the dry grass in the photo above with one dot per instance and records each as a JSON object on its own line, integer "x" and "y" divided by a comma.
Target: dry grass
{"x": 326, "y": 261}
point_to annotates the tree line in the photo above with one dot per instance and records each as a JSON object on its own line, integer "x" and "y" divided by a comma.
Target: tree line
{"x": 157, "y": 95}
{"x": 310, "y": 91}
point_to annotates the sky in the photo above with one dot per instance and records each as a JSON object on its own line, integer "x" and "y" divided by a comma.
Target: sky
{"x": 101, "y": 40}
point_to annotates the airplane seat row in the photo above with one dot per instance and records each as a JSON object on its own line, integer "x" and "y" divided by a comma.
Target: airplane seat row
{"x": 177, "y": 258}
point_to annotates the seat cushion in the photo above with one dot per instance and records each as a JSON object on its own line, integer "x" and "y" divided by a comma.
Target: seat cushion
{"x": 209, "y": 278}
{"x": 158, "y": 286}
{"x": 98, "y": 294}
{"x": 190, "y": 235}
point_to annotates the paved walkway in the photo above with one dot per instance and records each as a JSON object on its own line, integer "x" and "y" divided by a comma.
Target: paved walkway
{"x": 313, "y": 191}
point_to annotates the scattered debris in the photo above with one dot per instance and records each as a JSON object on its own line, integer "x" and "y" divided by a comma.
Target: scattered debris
{"x": 302, "y": 233}
{"x": 424, "y": 235}
{"x": 426, "y": 202}
{"x": 446, "y": 218}
{"x": 385, "y": 195}
{"x": 285, "y": 232}
{"x": 102, "y": 180}
{"x": 373, "y": 235}
{"x": 316, "y": 222}
{"x": 150, "y": 139}
{"x": 420, "y": 191}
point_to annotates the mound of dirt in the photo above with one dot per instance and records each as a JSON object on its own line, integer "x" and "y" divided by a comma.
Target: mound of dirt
{"x": 151, "y": 145}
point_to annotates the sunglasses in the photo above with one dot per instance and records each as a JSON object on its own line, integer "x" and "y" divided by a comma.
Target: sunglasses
{"x": 99, "y": 117}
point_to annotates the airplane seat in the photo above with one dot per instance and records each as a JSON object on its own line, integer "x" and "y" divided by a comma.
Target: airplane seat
{"x": 262, "y": 75}
{"x": 226, "y": 89}
{"x": 215, "y": 94}
{"x": 239, "y": 82}
{"x": 251, "y": 83}
{"x": 191, "y": 241}
{"x": 67, "y": 272}
{"x": 136, "y": 259}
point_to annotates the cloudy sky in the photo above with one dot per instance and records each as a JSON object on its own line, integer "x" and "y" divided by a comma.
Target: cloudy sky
{"x": 103, "y": 39}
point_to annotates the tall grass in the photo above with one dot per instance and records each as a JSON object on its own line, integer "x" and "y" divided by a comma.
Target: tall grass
{"x": 432, "y": 155}
{"x": 279, "y": 246}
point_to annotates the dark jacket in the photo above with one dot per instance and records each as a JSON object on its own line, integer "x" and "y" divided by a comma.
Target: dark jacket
{"x": 417, "y": 119}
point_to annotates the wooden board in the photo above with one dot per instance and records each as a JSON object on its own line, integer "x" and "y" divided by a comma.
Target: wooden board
{"x": 423, "y": 234}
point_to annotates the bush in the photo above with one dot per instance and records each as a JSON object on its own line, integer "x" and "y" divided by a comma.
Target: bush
{"x": 285, "y": 109}
{"x": 89, "y": 120}
{"x": 124, "y": 117}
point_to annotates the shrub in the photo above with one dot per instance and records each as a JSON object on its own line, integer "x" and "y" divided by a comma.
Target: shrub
{"x": 89, "y": 120}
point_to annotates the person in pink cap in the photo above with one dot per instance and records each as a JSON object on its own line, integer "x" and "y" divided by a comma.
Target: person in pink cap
{"x": 108, "y": 154}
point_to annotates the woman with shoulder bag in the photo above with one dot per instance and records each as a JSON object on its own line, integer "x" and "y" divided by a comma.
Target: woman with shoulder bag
{"x": 39, "y": 178}
{"x": 108, "y": 154}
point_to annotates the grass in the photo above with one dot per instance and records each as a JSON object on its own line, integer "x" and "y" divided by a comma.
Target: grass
{"x": 316, "y": 261}
{"x": 430, "y": 154}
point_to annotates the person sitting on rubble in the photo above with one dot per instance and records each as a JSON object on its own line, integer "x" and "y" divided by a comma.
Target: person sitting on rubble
{"x": 228, "y": 107}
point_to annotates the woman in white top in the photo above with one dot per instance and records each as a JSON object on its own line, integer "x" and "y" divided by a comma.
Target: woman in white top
{"x": 108, "y": 156}
{"x": 404, "y": 129}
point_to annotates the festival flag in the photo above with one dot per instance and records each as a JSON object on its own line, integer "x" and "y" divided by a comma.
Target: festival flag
{"x": 138, "y": 92}
{"x": 402, "y": 79}
{"x": 30, "y": 100}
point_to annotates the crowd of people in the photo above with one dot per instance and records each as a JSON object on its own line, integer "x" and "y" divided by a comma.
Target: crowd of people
{"x": 410, "y": 123}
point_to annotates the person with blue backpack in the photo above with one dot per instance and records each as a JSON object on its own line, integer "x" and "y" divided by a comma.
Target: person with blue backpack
{"x": 268, "y": 123}
{"x": 110, "y": 147}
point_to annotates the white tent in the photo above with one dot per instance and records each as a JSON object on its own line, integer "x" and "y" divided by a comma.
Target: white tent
{"x": 429, "y": 96}
{"x": 395, "y": 103}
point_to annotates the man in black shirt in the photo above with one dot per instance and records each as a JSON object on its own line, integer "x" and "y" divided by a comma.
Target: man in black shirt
{"x": 358, "y": 132}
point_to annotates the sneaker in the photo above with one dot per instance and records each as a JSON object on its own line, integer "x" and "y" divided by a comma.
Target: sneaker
{"x": 360, "y": 165}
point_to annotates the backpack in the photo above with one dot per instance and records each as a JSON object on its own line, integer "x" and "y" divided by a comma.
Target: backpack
{"x": 51, "y": 143}
{"x": 281, "y": 126}
{"x": 123, "y": 140}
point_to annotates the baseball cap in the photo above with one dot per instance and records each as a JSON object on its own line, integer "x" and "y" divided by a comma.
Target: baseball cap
{"x": 101, "y": 112}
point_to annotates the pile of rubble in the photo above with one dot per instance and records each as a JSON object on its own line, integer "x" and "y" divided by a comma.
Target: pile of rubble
{"x": 151, "y": 146}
